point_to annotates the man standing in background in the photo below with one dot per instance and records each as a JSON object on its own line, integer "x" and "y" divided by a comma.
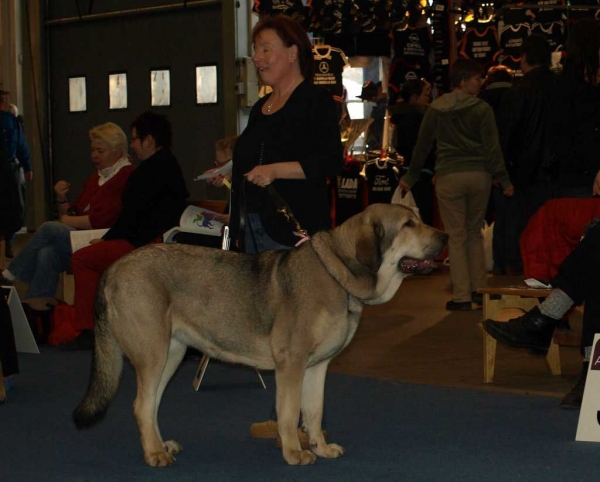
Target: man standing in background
{"x": 14, "y": 155}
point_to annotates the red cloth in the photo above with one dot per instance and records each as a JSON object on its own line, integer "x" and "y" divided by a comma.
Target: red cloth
{"x": 552, "y": 233}
{"x": 87, "y": 265}
{"x": 104, "y": 201}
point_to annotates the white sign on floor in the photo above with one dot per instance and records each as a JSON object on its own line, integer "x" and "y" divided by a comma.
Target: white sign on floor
{"x": 24, "y": 339}
{"x": 588, "y": 428}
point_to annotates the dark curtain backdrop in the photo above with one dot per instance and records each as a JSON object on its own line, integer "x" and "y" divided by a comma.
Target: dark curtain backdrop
{"x": 178, "y": 40}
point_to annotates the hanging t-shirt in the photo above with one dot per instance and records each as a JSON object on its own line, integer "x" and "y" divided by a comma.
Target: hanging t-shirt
{"x": 511, "y": 38}
{"x": 480, "y": 43}
{"x": 553, "y": 32}
{"x": 400, "y": 72}
{"x": 330, "y": 63}
{"x": 413, "y": 45}
{"x": 382, "y": 177}
{"x": 513, "y": 63}
{"x": 349, "y": 189}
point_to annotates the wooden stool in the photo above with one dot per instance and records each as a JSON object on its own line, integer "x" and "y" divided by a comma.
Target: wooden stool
{"x": 503, "y": 304}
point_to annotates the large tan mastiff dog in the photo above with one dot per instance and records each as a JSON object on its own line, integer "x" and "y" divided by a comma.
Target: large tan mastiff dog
{"x": 291, "y": 311}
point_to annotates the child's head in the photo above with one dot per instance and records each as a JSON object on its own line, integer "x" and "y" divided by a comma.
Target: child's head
{"x": 224, "y": 150}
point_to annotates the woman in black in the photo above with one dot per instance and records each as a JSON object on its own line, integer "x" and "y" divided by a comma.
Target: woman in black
{"x": 292, "y": 141}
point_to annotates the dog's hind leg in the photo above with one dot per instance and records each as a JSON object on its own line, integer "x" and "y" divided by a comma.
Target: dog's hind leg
{"x": 311, "y": 403}
{"x": 176, "y": 354}
{"x": 149, "y": 366}
{"x": 288, "y": 379}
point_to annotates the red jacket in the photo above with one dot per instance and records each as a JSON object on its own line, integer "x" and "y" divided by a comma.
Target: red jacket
{"x": 552, "y": 233}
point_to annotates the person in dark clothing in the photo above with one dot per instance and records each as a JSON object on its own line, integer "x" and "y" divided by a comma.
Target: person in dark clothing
{"x": 292, "y": 144}
{"x": 407, "y": 115}
{"x": 498, "y": 81}
{"x": 575, "y": 116}
{"x": 14, "y": 154}
{"x": 522, "y": 125}
{"x": 577, "y": 282}
{"x": 153, "y": 199}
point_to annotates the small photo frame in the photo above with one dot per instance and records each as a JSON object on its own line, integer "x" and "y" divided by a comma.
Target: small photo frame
{"x": 117, "y": 91}
{"x": 77, "y": 94}
{"x": 206, "y": 84}
{"x": 160, "y": 88}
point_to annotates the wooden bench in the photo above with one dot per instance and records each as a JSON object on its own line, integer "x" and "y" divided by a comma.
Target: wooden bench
{"x": 503, "y": 304}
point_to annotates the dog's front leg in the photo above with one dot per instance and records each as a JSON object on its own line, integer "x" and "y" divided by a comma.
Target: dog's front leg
{"x": 311, "y": 403}
{"x": 288, "y": 378}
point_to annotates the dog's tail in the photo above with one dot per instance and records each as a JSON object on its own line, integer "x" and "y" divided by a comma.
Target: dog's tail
{"x": 107, "y": 365}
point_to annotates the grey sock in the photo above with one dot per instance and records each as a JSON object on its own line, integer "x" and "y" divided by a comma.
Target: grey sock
{"x": 556, "y": 305}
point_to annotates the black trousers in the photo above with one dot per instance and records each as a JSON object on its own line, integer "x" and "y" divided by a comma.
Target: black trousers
{"x": 579, "y": 277}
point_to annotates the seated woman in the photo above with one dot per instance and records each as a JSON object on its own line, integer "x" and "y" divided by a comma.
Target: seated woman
{"x": 48, "y": 252}
{"x": 153, "y": 200}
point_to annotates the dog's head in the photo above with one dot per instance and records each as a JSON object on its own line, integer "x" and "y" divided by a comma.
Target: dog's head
{"x": 380, "y": 247}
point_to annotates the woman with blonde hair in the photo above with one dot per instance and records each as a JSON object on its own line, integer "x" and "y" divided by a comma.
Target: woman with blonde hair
{"x": 48, "y": 252}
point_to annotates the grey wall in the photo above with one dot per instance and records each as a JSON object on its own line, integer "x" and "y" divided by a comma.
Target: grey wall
{"x": 178, "y": 40}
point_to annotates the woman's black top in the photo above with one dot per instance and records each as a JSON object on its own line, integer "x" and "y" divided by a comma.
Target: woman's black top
{"x": 153, "y": 199}
{"x": 305, "y": 130}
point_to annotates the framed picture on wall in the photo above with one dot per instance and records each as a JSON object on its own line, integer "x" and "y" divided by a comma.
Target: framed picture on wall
{"x": 77, "y": 94}
{"x": 160, "y": 87}
{"x": 206, "y": 84}
{"x": 117, "y": 91}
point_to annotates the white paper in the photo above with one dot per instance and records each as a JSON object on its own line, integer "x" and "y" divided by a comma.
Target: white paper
{"x": 81, "y": 239}
{"x": 196, "y": 220}
{"x": 224, "y": 169}
{"x": 534, "y": 283}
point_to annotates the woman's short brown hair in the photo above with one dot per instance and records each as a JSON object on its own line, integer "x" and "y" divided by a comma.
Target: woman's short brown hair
{"x": 463, "y": 69}
{"x": 291, "y": 33}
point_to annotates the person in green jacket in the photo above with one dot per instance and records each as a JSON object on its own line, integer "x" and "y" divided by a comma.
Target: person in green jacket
{"x": 468, "y": 158}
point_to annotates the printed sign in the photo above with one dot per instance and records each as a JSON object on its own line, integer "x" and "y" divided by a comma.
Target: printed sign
{"x": 588, "y": 428}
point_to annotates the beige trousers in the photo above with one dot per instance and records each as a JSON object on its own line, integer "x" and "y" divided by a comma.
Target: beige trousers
{"x": 462, "y": 199}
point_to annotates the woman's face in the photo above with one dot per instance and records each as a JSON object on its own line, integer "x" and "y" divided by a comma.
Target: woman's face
{"x": 103, "y": 155}
{"x": 273, "y": 60}
{"x": 472, "y": 85}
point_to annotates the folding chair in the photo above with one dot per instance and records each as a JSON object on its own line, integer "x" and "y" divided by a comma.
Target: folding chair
{"x": 205, "y": 358}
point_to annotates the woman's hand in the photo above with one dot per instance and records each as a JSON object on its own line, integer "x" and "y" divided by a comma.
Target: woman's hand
{"x": 96, "y": 241}
{"x": 61, "y": 188}
{"x": 596, "y": 189}
{"x": 262, "y": 175}
{"x": 509, "y": 191}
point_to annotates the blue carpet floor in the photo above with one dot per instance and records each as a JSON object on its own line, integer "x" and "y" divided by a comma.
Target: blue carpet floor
{"x": 391, "y": 431}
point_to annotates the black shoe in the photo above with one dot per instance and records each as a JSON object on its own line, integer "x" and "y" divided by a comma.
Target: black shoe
{"x": 5, "y": 281}
{"x": 477, "y": 298}
{"x": 458, "y": 305}
{"x": 84, "y": 341}
{"x": 573, "y": 399}
{"x": 533, "y": 330}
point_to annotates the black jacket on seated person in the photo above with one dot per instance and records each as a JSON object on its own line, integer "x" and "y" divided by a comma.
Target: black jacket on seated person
{"x": 153, "y": 199}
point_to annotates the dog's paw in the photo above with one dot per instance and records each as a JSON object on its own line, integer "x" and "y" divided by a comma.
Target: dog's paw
{"x": 173, "y": 447}
{"x": 159, "y": 459}
{"x": 299, "y": 457}
{"x": 328, "y": 451}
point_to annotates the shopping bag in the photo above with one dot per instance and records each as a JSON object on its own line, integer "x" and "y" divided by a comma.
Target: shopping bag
{"x": 407, "y": 201}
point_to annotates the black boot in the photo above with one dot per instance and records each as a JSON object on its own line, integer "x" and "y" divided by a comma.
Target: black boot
{"x": 533, "y": 330}
{"x": 573, "y": 399}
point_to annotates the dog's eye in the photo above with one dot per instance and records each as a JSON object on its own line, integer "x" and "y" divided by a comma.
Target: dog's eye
{"x": 410, "y": 224}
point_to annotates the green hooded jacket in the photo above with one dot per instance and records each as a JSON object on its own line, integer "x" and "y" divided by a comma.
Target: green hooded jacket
{"x": 467, "y": 139}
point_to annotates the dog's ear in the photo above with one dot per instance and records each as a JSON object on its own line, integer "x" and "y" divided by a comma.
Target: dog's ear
{"x": 368, "y": 250}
